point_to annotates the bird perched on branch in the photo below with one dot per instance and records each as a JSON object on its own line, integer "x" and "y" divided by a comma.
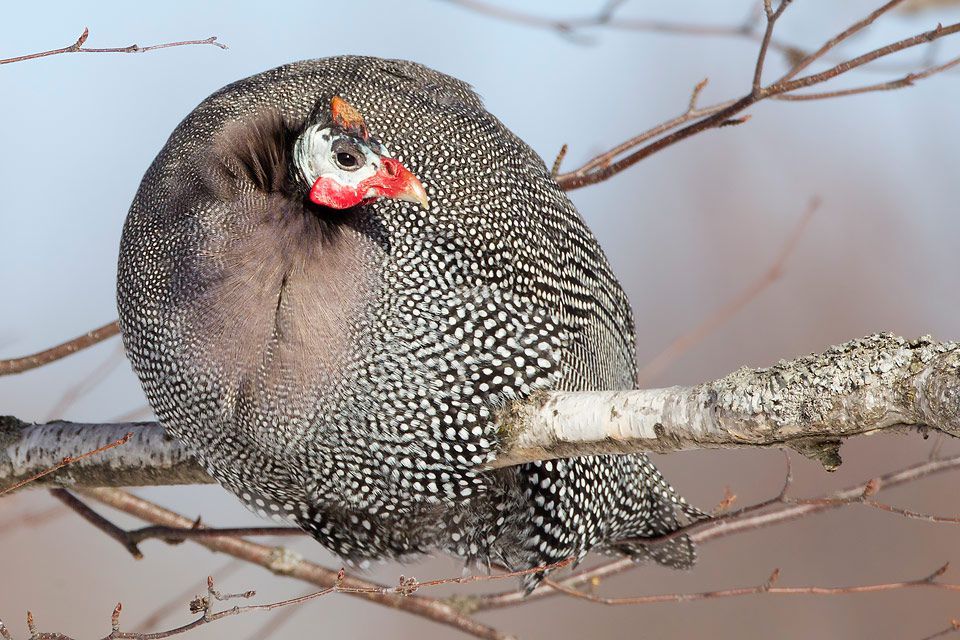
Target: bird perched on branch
{"x": 333, "y": 276}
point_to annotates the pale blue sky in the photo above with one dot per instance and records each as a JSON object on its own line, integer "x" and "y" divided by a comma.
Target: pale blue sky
{"x": 686, "y": 230}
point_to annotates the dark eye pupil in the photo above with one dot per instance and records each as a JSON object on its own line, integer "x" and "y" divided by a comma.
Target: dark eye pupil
{"x": 346, "y": 160}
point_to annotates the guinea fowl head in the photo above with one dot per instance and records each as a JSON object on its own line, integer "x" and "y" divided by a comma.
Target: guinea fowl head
{"x": 342, "y": 166}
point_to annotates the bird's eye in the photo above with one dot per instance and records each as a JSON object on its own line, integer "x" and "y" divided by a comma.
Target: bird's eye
{"x": 347, "y": 156}
{"x": 346, "y": 160}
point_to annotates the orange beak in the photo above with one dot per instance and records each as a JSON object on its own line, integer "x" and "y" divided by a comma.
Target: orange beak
{"x": 394, "y": 180}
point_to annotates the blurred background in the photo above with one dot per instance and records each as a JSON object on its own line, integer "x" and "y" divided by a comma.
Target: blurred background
{"x": 686, "y": 230}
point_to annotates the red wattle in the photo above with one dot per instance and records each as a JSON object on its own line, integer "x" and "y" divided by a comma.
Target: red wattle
{"x": 330, "y": 193}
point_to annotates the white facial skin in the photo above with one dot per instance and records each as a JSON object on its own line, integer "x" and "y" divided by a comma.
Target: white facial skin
{"x": 326, "y": 153}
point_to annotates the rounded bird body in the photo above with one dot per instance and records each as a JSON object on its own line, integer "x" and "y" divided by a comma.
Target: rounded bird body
{"x": 333, "y": 276}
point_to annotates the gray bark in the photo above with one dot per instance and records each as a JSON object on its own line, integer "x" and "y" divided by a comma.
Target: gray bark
{"x": 811, "y": 404}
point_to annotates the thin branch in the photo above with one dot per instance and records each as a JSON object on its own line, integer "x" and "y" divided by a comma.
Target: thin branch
{"x": 692, "y": 113}
{"x": 785, "y": 84}
{"x": 570, "y": 27}
{"x": 25, "y": 363}
{"x": 843, "y": 36}
{"x": 891, "y": 85}
{"x": 603, "y": 18}
{"x": 275, "y": 622}
{"x": 98, "y": 521}
{"x": 952, "y": 629}
{"x": 604, "y": 166}
{"x": 776, "y": 510}
{"x": 77, "y": 47}
{"x": 176, "y": 602}
{"x": 772, "y": 16}
{"x": 177, "y": 534}
{"x": 204, "y": 604}
{"x": 930, "y": 581}
{"x": 171, "y": 535}
{"x": 709, "y": 324}
{"x": 285, "y": 562}
{"x": 141, "y": 412}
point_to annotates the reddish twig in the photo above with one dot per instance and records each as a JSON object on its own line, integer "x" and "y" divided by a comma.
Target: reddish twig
{"x": 176, "y": 602}
{"x": 607, "y": 165}
{"x": 67, "y": 460}
{"x": 275, "y": 622}
{"x": 279, "y": 561}
{"x": 906, "y": 81}
{"x": 25, "y": 363}
{"x": 171, "y": 535}
{"x": 953, "y": 628}
{"x": 77, "y": 47}
{"x": 97, "y": 520}
{"x": 684, "y": 342}
{"x": 776, "y": 510}
{"x": 772, "y": 16}
{"x": 204, "y": 604}
{"x": 769, "y": 587}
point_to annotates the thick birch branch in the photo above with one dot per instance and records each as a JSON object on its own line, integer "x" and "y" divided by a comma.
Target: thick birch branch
{"x": 810, "y": 403}
{"x": 150, "y": 457}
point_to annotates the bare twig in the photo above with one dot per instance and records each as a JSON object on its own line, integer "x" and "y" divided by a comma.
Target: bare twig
{"x": 606, "y": 165}
{"x": 555, "y": 170}
{"x": 25, "y": 363}
{"x": 772, "y": 16}
{"x": 77, "y": 47}
{"x": 285, "y": 563}
{"x": 204, "y": 604}
{"x": 906, "y": 81}
{"x": 952, "y": 629}
{"x": 171, "y": 535}
{"x": 776, "y": 510}
{"x": 140, "y": 413}
{"x": 176, "y": 602}
{"x": 275, "y": 622}
{"x": 97, "y": 520}
{"x": 844, "y": 35}
{"x": 930, "y": 581}
{"x": 709, "y": 324}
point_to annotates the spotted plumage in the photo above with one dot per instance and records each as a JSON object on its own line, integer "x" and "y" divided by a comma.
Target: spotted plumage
{"x": 340, "y": 368}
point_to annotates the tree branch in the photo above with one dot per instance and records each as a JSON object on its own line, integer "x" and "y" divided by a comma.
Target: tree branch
{"x": 34, "y": 360}
{"x": 779, "y": 509}
{"x": 149, "y": 457}
{"x": 77, "y": 47}
{"x": 931, "y": 581}
{"x": 810, "y": 404}
{"x": 284, "y": 562}
{"x": 607, "y": 165}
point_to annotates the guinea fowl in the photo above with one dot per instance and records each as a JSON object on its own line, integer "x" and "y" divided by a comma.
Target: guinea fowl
{"x": 333, "y": 346}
